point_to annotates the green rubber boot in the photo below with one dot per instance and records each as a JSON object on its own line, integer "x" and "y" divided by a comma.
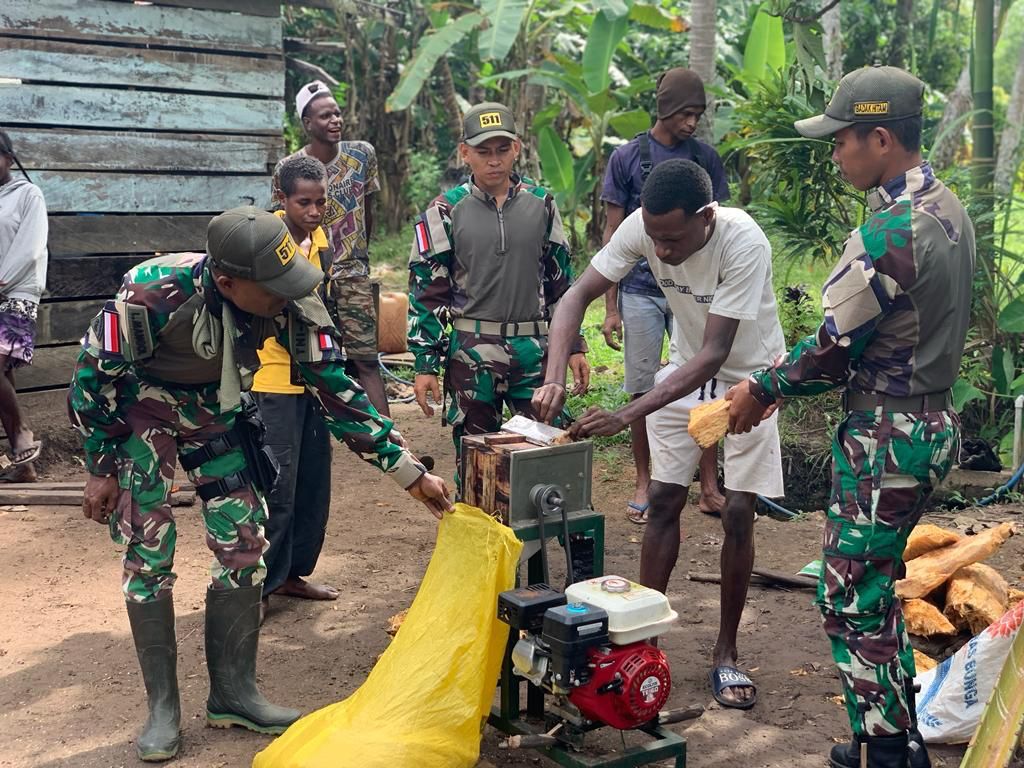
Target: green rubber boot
{"x": 232, "y": 637}
{"x": 153, "y": 629}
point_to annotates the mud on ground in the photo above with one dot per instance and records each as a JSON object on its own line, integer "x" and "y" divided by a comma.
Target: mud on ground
{"x": 70, "y": 692}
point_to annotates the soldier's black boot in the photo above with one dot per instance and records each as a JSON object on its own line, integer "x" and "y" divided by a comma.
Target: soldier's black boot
{"x": 882, "y": 752}
{"x": 153, "y": 630}
{"x": 232, "y": 637}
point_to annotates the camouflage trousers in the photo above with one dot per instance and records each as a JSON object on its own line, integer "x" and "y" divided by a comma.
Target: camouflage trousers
{"x": 166, "y": 423}
{"x": 484, "y": 374}
{"x": 885, "y": 465}
{"x": 356, "y": 316}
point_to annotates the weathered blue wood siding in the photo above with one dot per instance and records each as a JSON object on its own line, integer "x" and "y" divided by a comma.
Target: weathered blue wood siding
{"x": 138, "y": 122}
{"x": 105, "y": 20}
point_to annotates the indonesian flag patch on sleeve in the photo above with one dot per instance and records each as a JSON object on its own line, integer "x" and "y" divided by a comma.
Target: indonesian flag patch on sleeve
{"x": 326, "y": 342}
{"x": 110, "y": 332}
{"x": 422, "y": 237}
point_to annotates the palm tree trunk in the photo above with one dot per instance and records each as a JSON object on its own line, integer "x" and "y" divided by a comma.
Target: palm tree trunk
{"x": 451, "y": 104}
{"x": 899, "y": 48}
{"x": 958, "y": 104}
{"x": 702, "y": 57}
{"x": 1008, "y": 160}
{"x": 832, "y": 25}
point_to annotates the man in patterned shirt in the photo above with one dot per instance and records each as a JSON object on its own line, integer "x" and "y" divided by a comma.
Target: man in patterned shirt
{"x": 897, "y": 307}
{"x": 490, "y": 260}
{"x": 163, "y": 375}
{"x": 351, "y": 183}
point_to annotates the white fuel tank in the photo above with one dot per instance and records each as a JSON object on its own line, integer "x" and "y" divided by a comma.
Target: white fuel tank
{"x": 635, "y": 612}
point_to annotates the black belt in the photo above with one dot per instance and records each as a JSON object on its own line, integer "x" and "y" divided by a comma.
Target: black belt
{"x": 491, "y": 328}
{"x": 870, "y": 401}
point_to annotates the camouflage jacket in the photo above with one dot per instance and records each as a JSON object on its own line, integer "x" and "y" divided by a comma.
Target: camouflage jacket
{"x": 471, "y": 259}
{"x": 897, "y": 305}
{"x": 126, "y": 336}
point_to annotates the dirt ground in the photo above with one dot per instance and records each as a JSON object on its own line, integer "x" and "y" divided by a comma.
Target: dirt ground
{"x": 70, "y": 692}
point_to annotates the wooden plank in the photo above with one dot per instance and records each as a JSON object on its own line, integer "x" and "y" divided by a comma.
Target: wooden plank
{"x": 270, "y": 8}
{"x": 63, "y": 62}
{"x": 144, "y": 24}
{"x": 64, "y": 322}
{"x": 74, "y": 191}
{"x": 99, "y": 234}
{"x": 321, "y": 47}
{"x": 72, "y": 498}
{"x": 84, "y": 150}
{"x": 79, "y": 107}
{"x": 69, "y": 277}
{"x": 51, "y": 368}
{"x": 327, "y": 5}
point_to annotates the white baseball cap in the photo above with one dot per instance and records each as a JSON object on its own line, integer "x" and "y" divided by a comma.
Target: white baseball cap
{"x": 307, "y": 93}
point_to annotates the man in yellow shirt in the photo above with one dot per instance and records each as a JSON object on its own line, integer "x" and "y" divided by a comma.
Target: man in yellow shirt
{"x": 296, "y": 431}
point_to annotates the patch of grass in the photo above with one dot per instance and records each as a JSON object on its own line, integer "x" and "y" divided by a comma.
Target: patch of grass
{"x": 389, "y": 260}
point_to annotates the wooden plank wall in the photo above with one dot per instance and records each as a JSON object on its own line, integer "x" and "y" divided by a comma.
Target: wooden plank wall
{"x": 138, "y": 122}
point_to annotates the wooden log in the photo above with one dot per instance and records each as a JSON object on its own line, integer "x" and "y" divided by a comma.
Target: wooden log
{"x": 94, "y": 276}
{"x": 63, "y": 62}
{"x": 72, "y": 485}
{"x": 97, "y": 150}
{"x": 928, "y": 571}
{"x": 108, "y": 234}
{"x": 144, "y": 24}
{"x": 71, "y": 498}
{"x": 761, "y": 577}
{"x": 79, "y": 107}
{"x": 73, "y": 191}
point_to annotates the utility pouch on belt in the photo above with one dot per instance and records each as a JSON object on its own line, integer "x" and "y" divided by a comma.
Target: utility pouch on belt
{"x": 261, "y": 468}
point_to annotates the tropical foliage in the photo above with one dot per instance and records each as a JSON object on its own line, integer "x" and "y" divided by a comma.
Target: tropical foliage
{"x": 580, "y": 78}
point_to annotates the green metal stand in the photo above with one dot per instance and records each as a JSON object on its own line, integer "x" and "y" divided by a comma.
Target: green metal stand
{"x": 506, "y": 717}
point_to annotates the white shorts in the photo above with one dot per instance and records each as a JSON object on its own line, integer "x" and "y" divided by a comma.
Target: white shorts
{"x": 753, "y": 462}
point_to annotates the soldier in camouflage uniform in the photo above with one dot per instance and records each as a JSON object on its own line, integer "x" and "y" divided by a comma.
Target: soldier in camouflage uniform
{"x": 163, "y": 374}
{"x": 490, "y": 260}
{"x": 897, "y": 308}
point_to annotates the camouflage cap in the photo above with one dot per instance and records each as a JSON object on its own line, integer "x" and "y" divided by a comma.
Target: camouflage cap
{"x": 868, "y": 95}
{"x": 487, "y": 120}
{"x": 255, "y": 245}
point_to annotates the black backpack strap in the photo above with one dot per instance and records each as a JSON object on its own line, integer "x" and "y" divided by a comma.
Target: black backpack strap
{"x": 644, "y": 143}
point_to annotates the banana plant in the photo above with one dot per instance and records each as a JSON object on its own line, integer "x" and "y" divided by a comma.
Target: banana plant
{"x": 572, "y": 156}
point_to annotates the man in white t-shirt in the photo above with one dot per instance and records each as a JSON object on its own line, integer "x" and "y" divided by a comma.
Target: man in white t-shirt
{"x": 714, "y": 267}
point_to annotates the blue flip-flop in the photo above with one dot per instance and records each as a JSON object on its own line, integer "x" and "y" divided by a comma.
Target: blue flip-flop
{"x": 637, "y": 513}
{"x": 729, "y": 677}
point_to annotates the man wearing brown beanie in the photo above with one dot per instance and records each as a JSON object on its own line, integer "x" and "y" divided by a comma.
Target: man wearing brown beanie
{"x": 636, "y": 311}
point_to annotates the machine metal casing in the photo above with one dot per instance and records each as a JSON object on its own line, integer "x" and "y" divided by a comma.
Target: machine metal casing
{"x": 499, "y": 472}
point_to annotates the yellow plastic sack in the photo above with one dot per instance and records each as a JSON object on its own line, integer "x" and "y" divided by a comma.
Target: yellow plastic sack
{"x": 425, "y": 702}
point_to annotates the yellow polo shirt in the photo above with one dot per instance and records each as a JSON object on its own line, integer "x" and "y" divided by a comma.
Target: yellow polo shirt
{"x": 274, "y": 375}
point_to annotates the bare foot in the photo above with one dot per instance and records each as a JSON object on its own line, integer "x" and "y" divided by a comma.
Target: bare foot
{"x": 20, "y": 473}
{"x": 712, "y": 502}
{"x": 304, "y": 590}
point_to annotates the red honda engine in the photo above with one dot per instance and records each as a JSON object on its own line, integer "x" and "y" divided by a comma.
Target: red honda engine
{"x": 628, "y": 685}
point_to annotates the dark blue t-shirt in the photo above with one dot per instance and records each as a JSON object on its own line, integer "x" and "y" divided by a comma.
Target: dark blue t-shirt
{"x": 623, "y": 182}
